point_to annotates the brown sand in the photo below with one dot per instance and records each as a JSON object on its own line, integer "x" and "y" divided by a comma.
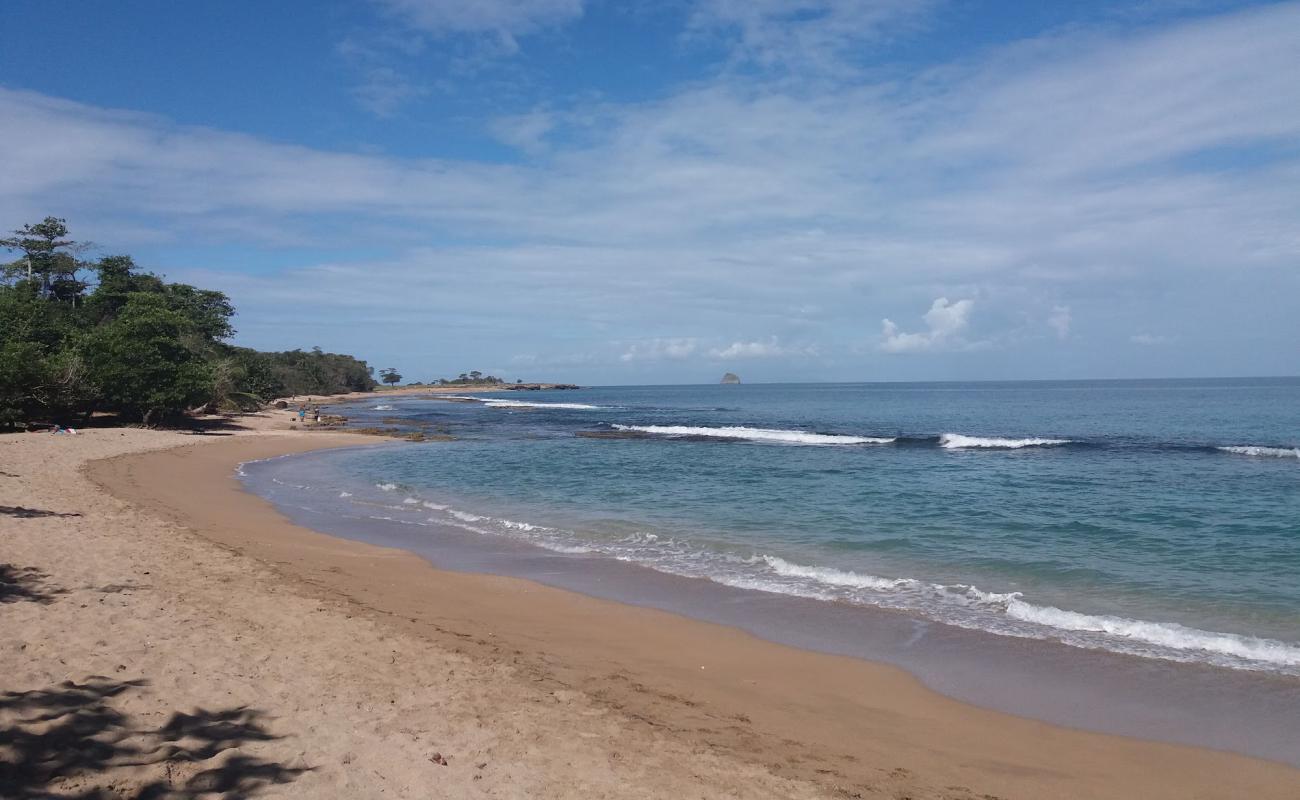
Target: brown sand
{"x": 368, "y": 663}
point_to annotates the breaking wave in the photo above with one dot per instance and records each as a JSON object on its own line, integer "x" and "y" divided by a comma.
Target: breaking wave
{"x": 1252, "y": 450}
{"x": 495, "y": 402}
{"x": 962, "y": 605}
{"x": 957, "y": 441}
{"x": 1004, "y": 613}
{"x": 490, "y": 403}
{"x": 754, "y": 434}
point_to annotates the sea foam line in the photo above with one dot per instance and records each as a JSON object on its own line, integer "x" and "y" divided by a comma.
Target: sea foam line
{"x": 1167, "y": 635}
{"x": 963, "y": 605}
{"x": 491, "y": 403}
{"x": 1254, "y": 450}
{"x": 755, "y": 434}
{"x": 957, "y": 441}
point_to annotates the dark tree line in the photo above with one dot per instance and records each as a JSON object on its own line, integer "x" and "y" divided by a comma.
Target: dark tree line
{"x": 79, "y": 337}
{"x": 469, "y": 379}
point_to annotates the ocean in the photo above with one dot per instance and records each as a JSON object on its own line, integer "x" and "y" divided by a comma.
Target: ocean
{"x": 1154, "y": 520}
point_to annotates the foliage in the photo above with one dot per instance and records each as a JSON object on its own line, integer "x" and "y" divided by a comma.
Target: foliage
{"x": 141, "y": 364}
{"x": 470, "y": 379}
{"x": 132, "y": 343}
{"x": 390, "y": 376}
{"x": 48, "y": 258}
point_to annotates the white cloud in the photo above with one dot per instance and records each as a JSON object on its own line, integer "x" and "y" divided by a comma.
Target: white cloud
{"x": 505, "y": 19}
{"x": 660, "y": 349}
{"x": 946, "y": 322}
{"x": 1106, "y": 169}
{"x": 384, "y": 90}
{"x": 526, "y": 132}
{"x": 1060, "y": 320}
{"x": 760, "y": 349}
{"x": 801, "y": 32}
{"x": 1150, "y": 340}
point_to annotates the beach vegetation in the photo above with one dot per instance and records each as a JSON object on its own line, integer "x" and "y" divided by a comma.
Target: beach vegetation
{"x": 390, "y": 376}
{"x": 79, "y": 337}
{"x": 474, "y": 378}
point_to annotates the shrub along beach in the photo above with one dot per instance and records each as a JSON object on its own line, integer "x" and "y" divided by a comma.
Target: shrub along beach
{"x": 83, "y": 337}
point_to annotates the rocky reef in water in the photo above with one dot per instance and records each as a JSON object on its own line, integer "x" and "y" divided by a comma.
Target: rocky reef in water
{"x": 731, "y": 377}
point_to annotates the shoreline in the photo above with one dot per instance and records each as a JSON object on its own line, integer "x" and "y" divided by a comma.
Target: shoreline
{"x": 827, "y": 719}
{"x": 1252, "y": 713}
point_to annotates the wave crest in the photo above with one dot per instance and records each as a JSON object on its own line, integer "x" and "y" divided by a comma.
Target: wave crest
{"x": 755, "y": 434}
{"x": 1170, "y": 639}
{"x": 957, "y": 441}
{"x": 1254, "y": 450}
{"x": 490, "y": 403}
{"x": 1162, "y": 634}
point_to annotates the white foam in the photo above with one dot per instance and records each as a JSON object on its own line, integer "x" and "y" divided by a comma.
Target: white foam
{"x": 955, "y": 441}
{"x": 520, "y": 526}
{"x": 381, "y": 408}
{"x": 1162, "y": 634}
{"x": 410, "y": 501}
{"x": 1168, "y": 638}
{"x": 465, "y": 516}
{"x": 386, "y": 487}
{"x": 345, "y": 494}
{"x": 755, "y": 434}
{"x": 526, "y": 404}
{"x": 433, "y": 506}
{"x": 774, "y": 587}
{"x": 570, "y": 549}
{"x": 1252, "y": 450}
{"x": 833, "y": 577}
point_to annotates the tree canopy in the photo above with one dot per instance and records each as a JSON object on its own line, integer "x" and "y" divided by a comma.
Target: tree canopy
{"x": 131, "y": 343}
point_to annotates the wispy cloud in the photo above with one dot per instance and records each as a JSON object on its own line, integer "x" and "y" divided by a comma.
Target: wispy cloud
{"x": 1103, "y": 169}
{"x": 771, "y": 348}
{"x": 660, "y": 349}
{"x": 1150, "y": 339}
{"x": 1060, "y": 320}
{"x": 503, "y": 19}
{"x": 802, "y": 33}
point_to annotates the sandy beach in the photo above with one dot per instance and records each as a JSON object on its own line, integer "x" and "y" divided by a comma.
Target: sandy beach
{"x": 168, "y": 634}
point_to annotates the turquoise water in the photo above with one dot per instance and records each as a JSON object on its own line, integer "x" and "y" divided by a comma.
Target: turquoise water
{"x": 1153, "y": 518}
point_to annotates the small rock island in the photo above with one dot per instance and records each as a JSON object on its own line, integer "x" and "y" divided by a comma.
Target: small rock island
{"x": 731, "y": 377}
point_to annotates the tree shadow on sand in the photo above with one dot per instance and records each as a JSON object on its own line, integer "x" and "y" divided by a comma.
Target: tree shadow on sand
{"x": 25, "y": 584}
{"x": 67, "y": 741}
{"x": 22, "y": 512}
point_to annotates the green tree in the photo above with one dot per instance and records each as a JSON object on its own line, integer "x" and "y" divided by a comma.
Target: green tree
{"x": 390, "y": 376}
{"x": 40, "y": 376}
{"x": 140, "y": 364}
{"x": 48, "y": 259}
{"x": 136, "y": 344}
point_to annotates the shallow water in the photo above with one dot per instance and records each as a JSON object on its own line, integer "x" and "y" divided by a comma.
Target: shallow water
{"x": 1149, "y": 519}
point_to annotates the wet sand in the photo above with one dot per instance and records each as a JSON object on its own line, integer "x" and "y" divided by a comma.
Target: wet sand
{"x": 698, "y": 704}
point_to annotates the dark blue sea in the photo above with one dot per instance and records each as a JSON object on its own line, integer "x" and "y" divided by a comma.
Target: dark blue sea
{"x": 1155, "y": 518}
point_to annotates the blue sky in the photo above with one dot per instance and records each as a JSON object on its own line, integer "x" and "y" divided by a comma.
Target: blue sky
{"x": 645, "y": 192}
